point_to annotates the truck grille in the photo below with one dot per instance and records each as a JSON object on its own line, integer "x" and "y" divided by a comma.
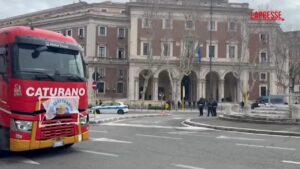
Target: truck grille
{"x": 54, "y": 129}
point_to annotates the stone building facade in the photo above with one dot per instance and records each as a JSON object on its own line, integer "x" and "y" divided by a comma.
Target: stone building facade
{"x": 119, "y": 38}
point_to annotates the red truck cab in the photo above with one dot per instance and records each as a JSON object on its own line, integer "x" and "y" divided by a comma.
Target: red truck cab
{"x": 43, "y": 90}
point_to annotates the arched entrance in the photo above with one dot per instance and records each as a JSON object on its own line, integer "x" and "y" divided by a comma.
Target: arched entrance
{"x": 189, "y": 87}
{"x": 149, "y": 85}
{"x": 212, "y": 90}
{"x": 164, "y": 86}
{"x": 231, "y": 88}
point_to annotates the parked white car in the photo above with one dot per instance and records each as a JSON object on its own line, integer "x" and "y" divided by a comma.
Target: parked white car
{"x": 111, "y": 107}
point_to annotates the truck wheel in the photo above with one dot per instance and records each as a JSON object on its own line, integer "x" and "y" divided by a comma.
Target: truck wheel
{"x": 120, "y": 112}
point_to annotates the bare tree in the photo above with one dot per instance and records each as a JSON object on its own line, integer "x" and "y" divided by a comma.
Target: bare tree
{"x": 153, "y": 63}
{"x": 243, "y": 62}
{"x": 279, "y": 51}
{"x": 189, "y": 47}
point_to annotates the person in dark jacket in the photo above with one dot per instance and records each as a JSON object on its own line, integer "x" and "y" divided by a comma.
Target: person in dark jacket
{"x": 209, "y": 107}
{"x": 214, "y": 107}
{"x": 201, "y": 103}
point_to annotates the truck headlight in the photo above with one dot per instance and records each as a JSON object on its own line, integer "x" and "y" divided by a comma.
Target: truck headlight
{"x": 84, "y": 120}
{"x": 23, "y": 126}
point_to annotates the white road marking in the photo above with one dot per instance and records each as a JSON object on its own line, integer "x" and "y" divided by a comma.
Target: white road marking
{"x": 193, "y": 128}
{"x": 136, "y": 125}
{"x": 27, "y": 161}
{"x": 98, "y": 153}
{"x": 291, "y": 162}
{"x": 262, "y": 134}
{"x": 109, "y": 140}
{"x": 182, "y": 132}
{"x": 185, "y": 166}
{"x": 239, "y": 138}
{"x": 196, "y": 134}
{"x": 97, "y": 131}
{"x": 154, "y": 136}
{"x": 155, "y": 126}
{"x": 23, "y": 160}
{"x": 268, "y": 147}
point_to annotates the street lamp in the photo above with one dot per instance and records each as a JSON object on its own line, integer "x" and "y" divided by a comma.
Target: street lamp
{"x": 210, "y": 50}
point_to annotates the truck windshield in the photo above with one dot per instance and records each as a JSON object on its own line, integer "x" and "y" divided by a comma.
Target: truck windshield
{"x": 47, "y": 63}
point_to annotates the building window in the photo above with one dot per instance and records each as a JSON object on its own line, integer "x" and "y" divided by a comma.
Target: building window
{"x": 212, "y": 25}
{"x": 102, "y": 52}
{"x": 263, "y": 57}
{"x": 120, "y": 53}
{"x": 263, "y": 38}
{"x": 232, "y": 52}
{"x": 120, "y": 87}
{"x": 146, "y": 23}
{"x": 121, "y": 33}
{"x": 166, "y": 49}
{"x": 69, "y": 32}
{"x": 146, "y": 48}
{"x": 212, "y": 51}
{"x": 102, "y": 31}
{"x": 263, "y": 90}
{"x": 263, "y": 76}
{"x": 81, "y": 32}
{"x": 121, "y": 74}
{"x": 189, "y": 24}
{"x": 167, "y": 23}
{"x": 102, "y": 72}
{"x": 232, "y": 26}
{"x": 98, "y": 74}
{"x": 100, "y": 87}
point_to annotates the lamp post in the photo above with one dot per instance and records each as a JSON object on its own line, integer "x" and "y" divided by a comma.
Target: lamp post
{"x": 210, "y": 51}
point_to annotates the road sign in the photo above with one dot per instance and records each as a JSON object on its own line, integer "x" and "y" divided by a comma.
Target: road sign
{"x": 94, "y": 85}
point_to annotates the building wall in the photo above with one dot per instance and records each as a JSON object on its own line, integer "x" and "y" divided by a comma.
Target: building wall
{"x": 130, "y": 16}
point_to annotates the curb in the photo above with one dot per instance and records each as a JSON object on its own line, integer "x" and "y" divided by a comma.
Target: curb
{"x": 124, "y": 117}
{"x": 246, "y": 130}
{"x": 260, "y": 120}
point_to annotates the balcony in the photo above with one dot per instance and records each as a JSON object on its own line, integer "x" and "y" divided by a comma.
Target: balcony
{"x": 108, "y": 60}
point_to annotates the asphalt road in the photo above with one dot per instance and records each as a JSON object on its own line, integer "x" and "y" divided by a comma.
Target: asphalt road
{"x": 163, "y": 143}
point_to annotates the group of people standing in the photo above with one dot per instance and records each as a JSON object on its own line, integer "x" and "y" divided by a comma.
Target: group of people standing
{"x": 210, "y": 104}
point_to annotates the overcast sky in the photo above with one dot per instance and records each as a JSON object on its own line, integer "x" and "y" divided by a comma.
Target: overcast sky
{"x": 289, "y": 8}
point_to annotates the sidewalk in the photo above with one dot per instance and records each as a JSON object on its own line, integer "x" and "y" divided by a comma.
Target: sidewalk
{"x": 271, "y": 129}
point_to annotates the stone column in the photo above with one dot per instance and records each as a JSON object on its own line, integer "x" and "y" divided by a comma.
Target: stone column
{"x": 155, "y": 89}
{"x": 131, "y": 84}
{"x": 91, "y": 39}
{"x": 199, "y": 89}
{"x": 221, "y": 89}
{"x": 239, "y": 93}
{"x": 204, "y": 88}
{"x": 136, "y": 88}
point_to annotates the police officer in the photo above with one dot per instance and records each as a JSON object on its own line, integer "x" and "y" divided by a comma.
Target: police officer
{"x": 209, "y": 107}
{"x": 200, "y": 106}
{"x": 214, "y": 107}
